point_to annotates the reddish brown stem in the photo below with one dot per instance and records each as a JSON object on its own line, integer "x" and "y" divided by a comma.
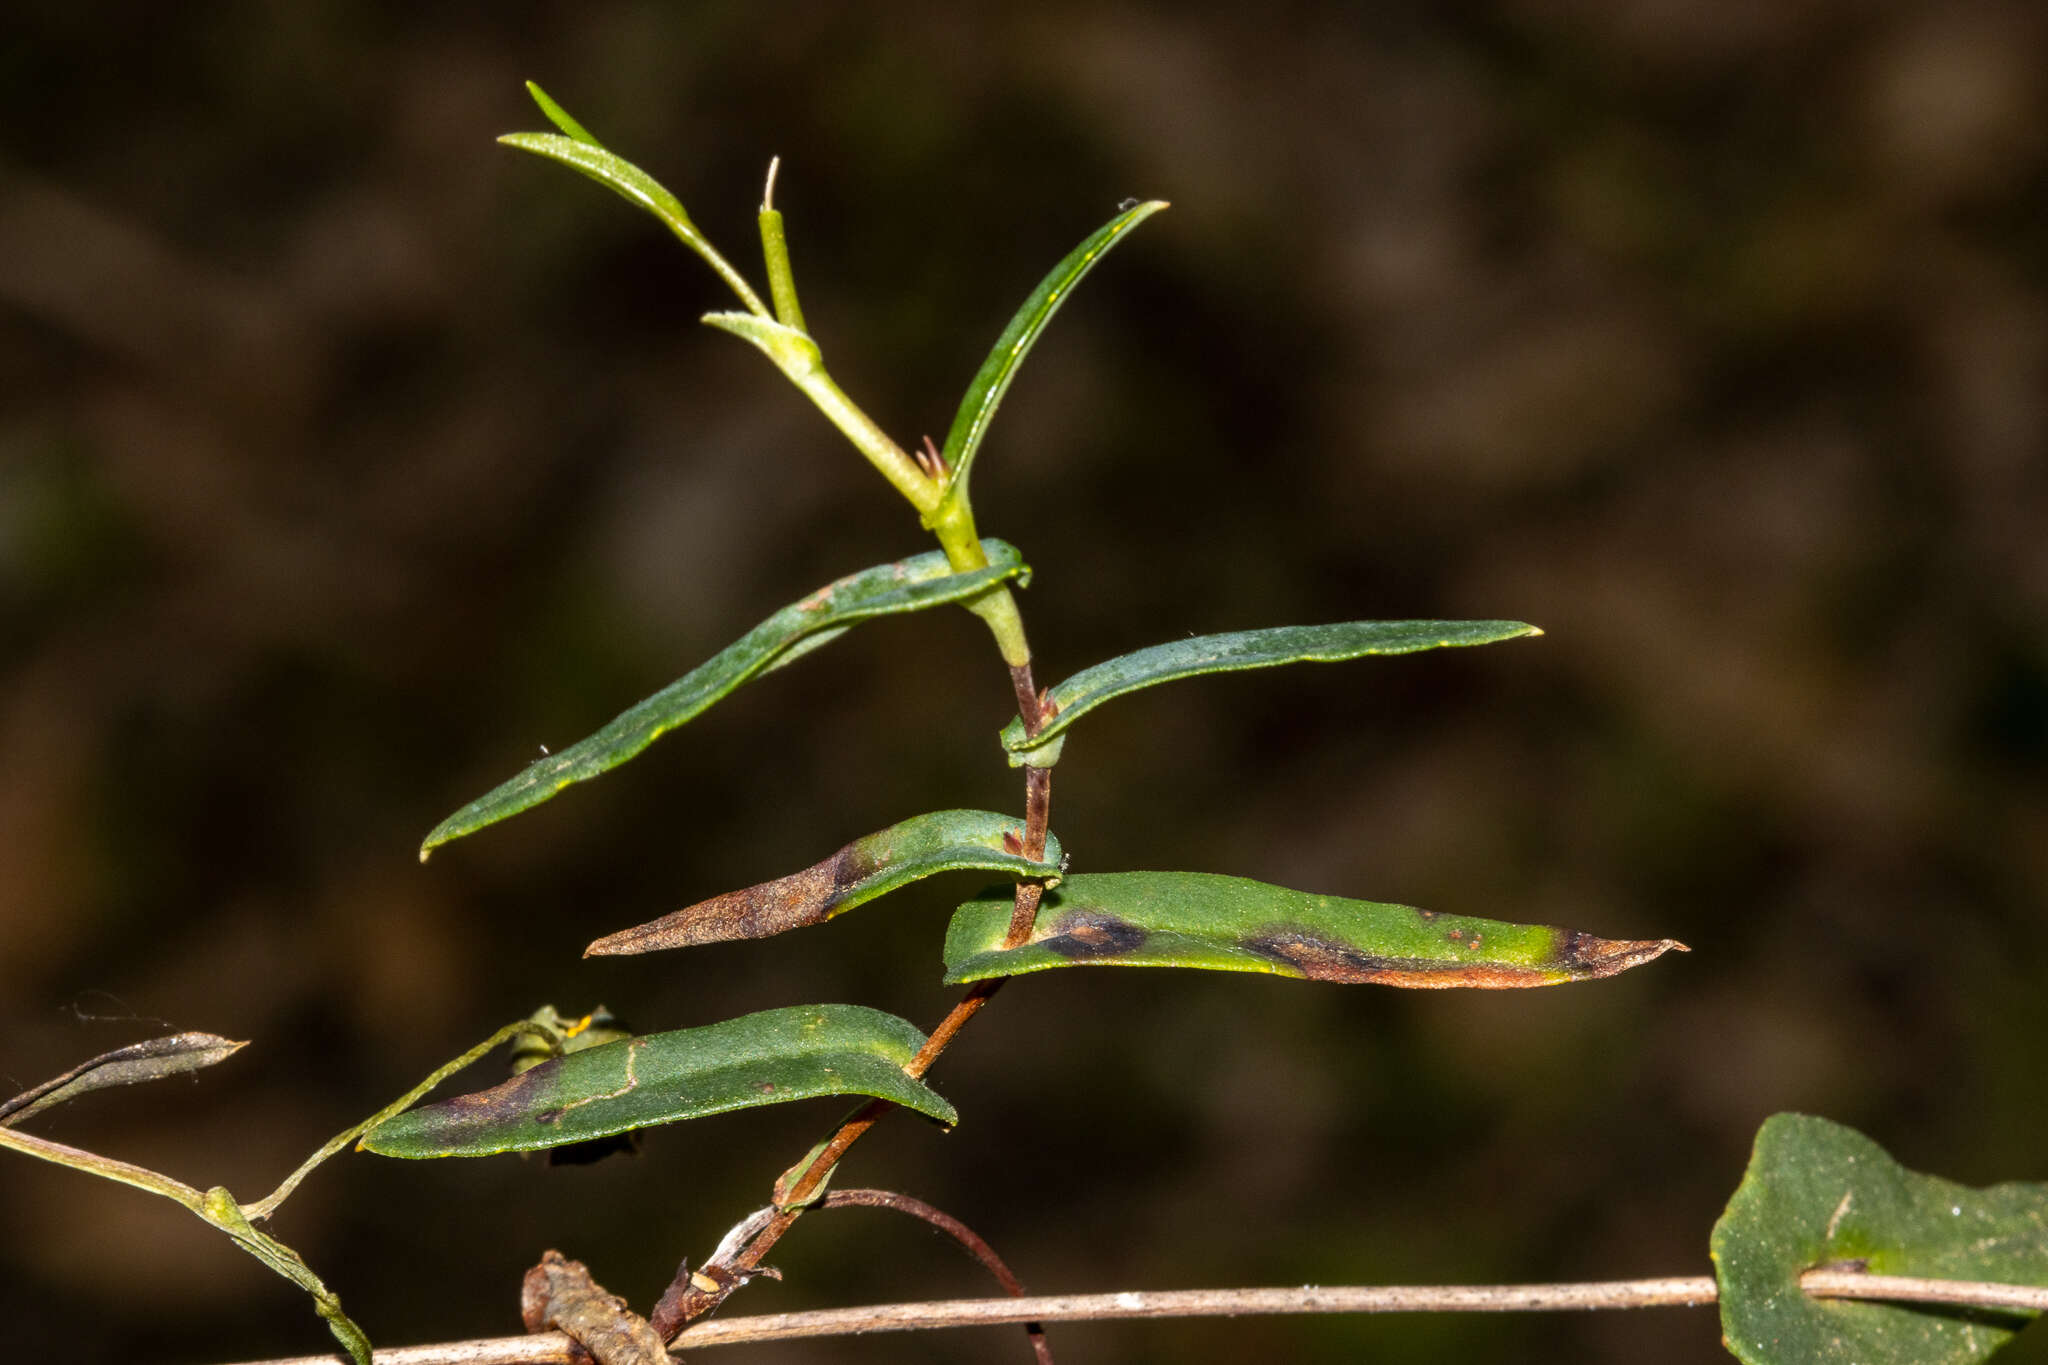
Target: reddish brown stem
{"x": 691, "y": 1296}
{"x": 1027, "y": 697}
{"x": 970, "y": 1241}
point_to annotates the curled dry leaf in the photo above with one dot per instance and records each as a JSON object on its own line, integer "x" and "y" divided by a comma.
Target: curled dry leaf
{"x": 560, "y": 1294}
{"x": 145, "y": 1061}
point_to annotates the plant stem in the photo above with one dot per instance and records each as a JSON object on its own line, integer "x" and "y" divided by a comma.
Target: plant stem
{"x": 691, "y": 1296}
{"x": 970, "y": 1241}
{"x": 106, "y": 1167}
{"x": 1854, "y": 1284}
{"x": 267, "y": 1205}
{"x": 1682, "y": 1292}
{"x": 869, "y": 439}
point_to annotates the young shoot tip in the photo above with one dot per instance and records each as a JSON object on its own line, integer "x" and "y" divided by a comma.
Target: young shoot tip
{"x": 768, "y": 190}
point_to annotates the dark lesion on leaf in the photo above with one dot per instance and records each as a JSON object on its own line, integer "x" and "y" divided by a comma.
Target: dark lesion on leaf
{"x": 793, "y": 902}
{"x": 1586, "y": 957}
{"x": 1092, "y": 935}
{"x": 1317, "y": 958}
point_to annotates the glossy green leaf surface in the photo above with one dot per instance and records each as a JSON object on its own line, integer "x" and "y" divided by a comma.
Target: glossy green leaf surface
{"x": 1232, "y": 924}
{"x": 923, "y": 846}
{"x": 1817, "y": 1194}
{"x": 772, "y": 1057}
{"x": 1230, "y": 653}
{"x": 908, "y": 585}
{"x": 985, "y": 394}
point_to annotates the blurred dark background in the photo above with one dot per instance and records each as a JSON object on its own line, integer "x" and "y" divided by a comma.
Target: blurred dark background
{"x": 345, "y": 459}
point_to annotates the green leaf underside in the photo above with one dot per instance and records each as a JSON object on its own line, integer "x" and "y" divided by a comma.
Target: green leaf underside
{"x": 772, "y": 1057}
{"x": 1244, "y": 649}
{"x": 793, "y": 352}
{"x": 581, "y": 152}
{"x": 1231, "y": 924}
{"x": 978, "y": 405}
{"x": 615, "y": 173}
{"x": 150, "y": 1060}
{"x": 908, "y": 585}
{"x": 1817, "y": 1194}
{"x": 943, "y": 841}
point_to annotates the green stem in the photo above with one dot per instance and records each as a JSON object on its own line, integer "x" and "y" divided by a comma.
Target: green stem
{"x": 953, "y": 523}
{"x": 870, "y": 440}
{"x": 106, "y": 1167}
{"x": 267, "y": 1205}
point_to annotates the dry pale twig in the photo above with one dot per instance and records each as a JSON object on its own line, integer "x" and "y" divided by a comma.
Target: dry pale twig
{"x": 1688, "y": 1291}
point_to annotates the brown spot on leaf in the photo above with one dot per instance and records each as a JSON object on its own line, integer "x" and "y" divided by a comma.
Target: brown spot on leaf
{"x": 1318, "y": 959}
{"x": 1588, "y": 958}
{"x": 793, "y": 902}
{"x": 1321, "y": 959}
{"x": 1089, "y": 935}
{"x": 501, "y": 1102}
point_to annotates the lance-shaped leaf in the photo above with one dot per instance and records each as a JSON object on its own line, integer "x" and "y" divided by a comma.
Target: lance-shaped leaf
{"x": 766, "y": 1058}
{"x": 1243, "y": 649}
{"x": 978, "y": 405}
{"x": 943, "y": 841}
{"x": 145, "y": 1061}
{"x": 1231, "y": 924}
{"x": 559, "y": 116}
{"x": 908, "y": 585}
{"x": 582, "y": 152}
{"x": 1818, "y": 1195}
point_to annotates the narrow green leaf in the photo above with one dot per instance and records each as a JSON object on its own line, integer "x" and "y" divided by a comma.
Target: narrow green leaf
{"x": 1243, "y": 649}
{"x": 943, "y": 841}
{"x": 766, "y": 1058}
{"x": 978, "y": 405}
{"x": 1230, "y": 924}
{"x": 908, "y": 585}
{"x": 628, "y": 181}
{"x": 152, "y": 1060}
{"x": 559, "y": 116}
{"x": 1817, "y": 1194}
